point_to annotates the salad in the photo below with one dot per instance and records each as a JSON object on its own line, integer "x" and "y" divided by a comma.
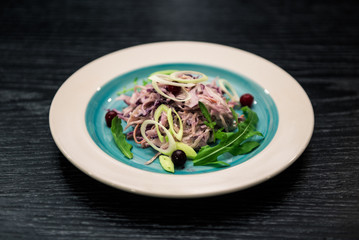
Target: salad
{"x": 182, "y": 116}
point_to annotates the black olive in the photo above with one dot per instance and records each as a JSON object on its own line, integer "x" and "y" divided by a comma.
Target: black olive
{"x": 109, "y": 116}
{"x": 178, "y": 158}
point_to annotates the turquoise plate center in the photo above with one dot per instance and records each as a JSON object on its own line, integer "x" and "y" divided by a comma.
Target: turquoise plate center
{"x": 104, "y": 98}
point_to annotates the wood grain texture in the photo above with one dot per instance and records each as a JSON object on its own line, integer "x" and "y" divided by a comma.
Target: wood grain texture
{"x": 43, "y": 196}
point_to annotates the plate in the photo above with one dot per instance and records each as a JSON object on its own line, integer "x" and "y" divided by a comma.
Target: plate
{"x": 77, "y": 119}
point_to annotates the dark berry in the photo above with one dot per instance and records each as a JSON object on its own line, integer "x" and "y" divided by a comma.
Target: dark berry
{"x": 173, "y": 89}
{"x": 109, "y": 116}
{"x": 246, "y": 100}
{"x": 178, "y": 158}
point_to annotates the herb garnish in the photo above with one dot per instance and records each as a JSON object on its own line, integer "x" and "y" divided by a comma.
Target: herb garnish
{"x": 119, "y": 137}
{"x": 209, "y": 123}
{"x": 233, "y": 142}
{"x": 145, "y": 81}
{"x": 135, "y": 82}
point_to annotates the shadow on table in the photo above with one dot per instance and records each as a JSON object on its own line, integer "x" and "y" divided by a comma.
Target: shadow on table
{"x": 141, "y": 210}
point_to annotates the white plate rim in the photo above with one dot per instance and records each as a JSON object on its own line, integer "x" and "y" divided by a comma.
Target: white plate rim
{"x": 68, "y": 128}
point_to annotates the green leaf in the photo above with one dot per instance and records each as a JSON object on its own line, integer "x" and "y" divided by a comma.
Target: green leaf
{"x": 209, "y": 154}
{"x": 229, "y": 141}
{"x": 205, "y": 112}
{"x": 124, "y": 90}
{"x": 244, "y": 148}
{"x": 251, "y": 116}
{"x": 222, "y": 135}
{"x": 235, "y": 116}
{"x": 209, "y": 123}
{"x": 218, "y": 164}
{"x": 120, "y": 138}
{"x": 146, "y": 81}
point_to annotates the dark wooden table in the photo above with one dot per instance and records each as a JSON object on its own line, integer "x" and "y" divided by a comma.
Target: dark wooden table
{"x": 43, "y": 196}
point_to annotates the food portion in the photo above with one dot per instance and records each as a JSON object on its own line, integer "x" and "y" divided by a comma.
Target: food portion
{"x": 182, "y": 115}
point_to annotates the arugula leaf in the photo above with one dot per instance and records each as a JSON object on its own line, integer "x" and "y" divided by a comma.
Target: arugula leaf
{"x": 205, "y": 112}
{"x": 209, "y": 123}
{"x": 220, "y": 134}
{"x": 218, "y": 164}
{"x": 120, "y": 138}
{"x": 244, "y": 148}
{"x": 208, "y": 155}
{"x": 235, "y": 115}
{"x": 231, "y": 142}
